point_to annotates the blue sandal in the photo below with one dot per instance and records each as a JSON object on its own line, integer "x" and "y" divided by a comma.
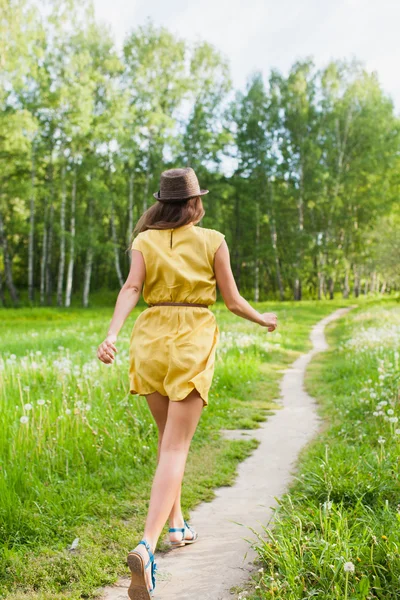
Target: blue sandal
{"x": 183, "y": 541}
{"x": 138, "y": 589}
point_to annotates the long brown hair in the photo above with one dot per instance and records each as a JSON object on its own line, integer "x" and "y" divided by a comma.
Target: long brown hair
{"x": 163, "y": 215}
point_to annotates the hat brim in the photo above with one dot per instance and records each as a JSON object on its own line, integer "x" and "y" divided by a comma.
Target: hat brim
{"x": 201, "y": 193}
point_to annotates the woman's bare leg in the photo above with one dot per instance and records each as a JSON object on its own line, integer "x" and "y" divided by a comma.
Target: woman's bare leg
{"x": 180, "y": 426}
{"x": 158, "y": 405}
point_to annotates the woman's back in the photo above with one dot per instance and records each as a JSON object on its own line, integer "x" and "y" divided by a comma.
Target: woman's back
{"x": 179, "y": 263}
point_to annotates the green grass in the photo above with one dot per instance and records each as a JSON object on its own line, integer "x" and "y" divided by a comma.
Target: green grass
{"x": 82, "y": 466}
{"x": 344, "y": 504}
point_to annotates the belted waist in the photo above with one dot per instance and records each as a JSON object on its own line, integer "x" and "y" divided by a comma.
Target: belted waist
{"x": 178, "y": 304}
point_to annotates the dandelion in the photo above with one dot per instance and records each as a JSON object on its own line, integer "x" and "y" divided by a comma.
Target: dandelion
{"x": 381, "y": 440}
{"x": 40, "y": 402}
{"x": 393, "y": 419}
{"x": 13, "y": 356}
{"x": 348, "y": 567}
{"x": 24, "y": 419}
{"x": 68, "y": 411}
{"x": 26, "y": 388}
{"x": 397, "y": 431}
{"x": 390, "y": 411}
{"x": 28, "y": 406}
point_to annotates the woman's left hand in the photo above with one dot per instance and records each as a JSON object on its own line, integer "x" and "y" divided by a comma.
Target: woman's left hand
{"x": 106, "y": 350}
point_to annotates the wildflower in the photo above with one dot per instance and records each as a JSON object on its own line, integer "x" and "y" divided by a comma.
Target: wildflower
{"x": 13, "y": 356}
{"x": 261, "y": 570}
{"x": 397, "y": 431}
{"x": 26, "y": 388}
{"x": 390, "y": 411}
{"x": 393, "y": 419}
{"x": 41, "y": 402}
{"x": 24, "y": 419}
{"x": 28, "y": 406}
{"x": 384, "y": 537}
{"x": 348, "y": 567}
{"x": 381, "y": 440}
{"x": 67, "y": 411}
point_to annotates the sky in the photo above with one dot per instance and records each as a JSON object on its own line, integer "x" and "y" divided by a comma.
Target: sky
{"x": 258, "y": 35}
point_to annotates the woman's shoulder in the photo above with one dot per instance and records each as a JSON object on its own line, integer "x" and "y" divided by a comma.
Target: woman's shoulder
{"x": 214, "y": 238}
{"x": 210, "y": 232}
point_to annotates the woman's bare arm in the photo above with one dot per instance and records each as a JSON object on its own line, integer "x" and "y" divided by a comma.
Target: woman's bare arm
{"x": 230, "y": 293}
{"x": 127, "y": 299}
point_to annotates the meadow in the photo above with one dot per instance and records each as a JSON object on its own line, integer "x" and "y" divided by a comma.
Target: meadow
{"x": 336, "y": 533}
{"x": 78, "y": 451}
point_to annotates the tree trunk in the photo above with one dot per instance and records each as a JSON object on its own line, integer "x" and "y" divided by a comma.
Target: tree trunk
{"x": 146, "y": 189}
{"x": 366, "y": 284}
{"x": 2, "y": 299}
{"x": 49, "y": 276}
{"x": 321, "y": 275}
{"x": 61, "y": 264}
{"x": 257, "y": 257}
{"x": 331, "y": 287}
{"x": 70, "y": 270}
{"x": 43, "y": 260}
{"x": 274, "y": 238}
{"x": 115, "y": 246}
{"x": 130, "y": 213}
{"x": 8, "y": 265}
{"x": 346, "y": 288}
{"x": 356, "y": 282}
{"x": 237, "y": 239}
{"x": 383, "y": 288}
{"x": 89, "y": 258}
{"x": 299, "y": 251}
{"x": 31, "y": 233}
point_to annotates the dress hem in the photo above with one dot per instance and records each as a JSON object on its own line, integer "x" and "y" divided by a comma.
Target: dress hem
{"x": 205, "y": 402}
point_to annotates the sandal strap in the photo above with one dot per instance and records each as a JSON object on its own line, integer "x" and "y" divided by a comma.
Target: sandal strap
{"x": 151, "y": 555}
{"x": 152, "y": 562}
{"x": 190, "y": 529}
{"x": 177, "y": 529}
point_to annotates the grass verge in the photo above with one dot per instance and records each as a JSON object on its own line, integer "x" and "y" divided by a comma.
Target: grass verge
{"x": 335, "y": 534}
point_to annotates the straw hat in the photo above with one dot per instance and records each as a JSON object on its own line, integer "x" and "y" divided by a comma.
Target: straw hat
{"x": 178, "y": 184}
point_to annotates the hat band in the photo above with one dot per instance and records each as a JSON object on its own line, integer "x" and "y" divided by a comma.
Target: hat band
{"x": 179, "y": 199}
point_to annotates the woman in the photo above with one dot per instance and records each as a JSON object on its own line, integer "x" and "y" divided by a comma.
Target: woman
{"x": 173, "y": 344}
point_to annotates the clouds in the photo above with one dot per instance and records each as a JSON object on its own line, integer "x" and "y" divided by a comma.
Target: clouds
{"x": 260, "y": 35}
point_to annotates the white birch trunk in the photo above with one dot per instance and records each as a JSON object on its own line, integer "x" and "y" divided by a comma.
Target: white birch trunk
{"x": 49, "y": 277}
{"x": 115, "y": 246}
{"x": 130, "y": 214}
{"x": 31, "y": 233}
{"x": 70, "y": 270}
{"x": 89, "y": 258}
{"x": 61, "y": 264}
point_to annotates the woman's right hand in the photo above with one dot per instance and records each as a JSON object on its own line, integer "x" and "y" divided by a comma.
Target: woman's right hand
{"x": 269, "y": 320}
{"x": 106, "y": 350}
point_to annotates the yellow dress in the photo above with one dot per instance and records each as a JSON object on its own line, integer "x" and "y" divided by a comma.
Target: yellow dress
{"x": 172, "y": 348}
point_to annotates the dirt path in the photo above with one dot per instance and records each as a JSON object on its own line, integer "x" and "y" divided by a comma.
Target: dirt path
{"x": 223, "y": 556}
